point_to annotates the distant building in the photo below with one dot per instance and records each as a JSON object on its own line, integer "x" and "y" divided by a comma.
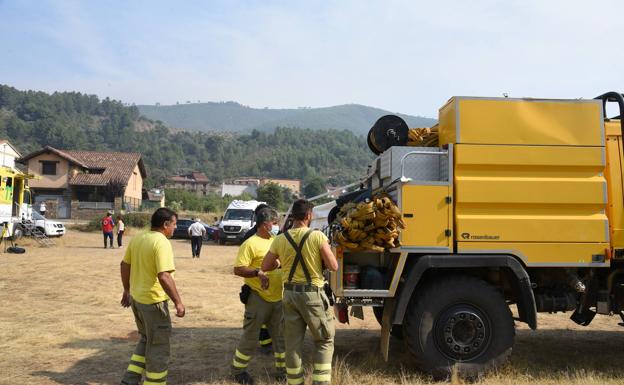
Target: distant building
{"x": 153, "y": 198}
{"x": 83, "y": 184}
{"x": 293, "y": 184}
{"x": 8, "y": 154}
{"x": 196, "y": 182}
{"x": 239, "y": 186}
{"x": 250, "y": 185}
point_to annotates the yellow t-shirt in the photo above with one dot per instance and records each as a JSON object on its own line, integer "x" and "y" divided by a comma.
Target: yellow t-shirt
{"x": 250, "y": 254}
{"x": 311, "y": 255}
{"x": 148, "y": 254}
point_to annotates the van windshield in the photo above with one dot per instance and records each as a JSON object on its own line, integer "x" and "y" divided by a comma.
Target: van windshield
{"x": 238, "y": 215}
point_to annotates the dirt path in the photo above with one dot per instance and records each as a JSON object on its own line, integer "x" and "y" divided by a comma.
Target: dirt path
{"x": 61, "y": 323}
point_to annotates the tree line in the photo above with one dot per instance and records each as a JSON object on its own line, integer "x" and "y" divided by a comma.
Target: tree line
{"x": 71, "y": 120}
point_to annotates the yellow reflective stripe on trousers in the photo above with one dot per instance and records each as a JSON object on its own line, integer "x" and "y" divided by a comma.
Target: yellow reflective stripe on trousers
{"x": 237, "y": 364}
{"x": 266, "y": 342}
{"x": 322, "y": 366}
{"x": 156, "y": 375}
{"x": 242, "y": 356}
{"x": 137, "y": 358}
{"x": 321, "y": 377}
{"x": 135, "y": 369}
{"x": 279, "y": 355}
{"x": 280, "y": 364}
{"x": 294, "y": 370}
{"x": 146, "y": 382}
{"x": 295, "y": 381}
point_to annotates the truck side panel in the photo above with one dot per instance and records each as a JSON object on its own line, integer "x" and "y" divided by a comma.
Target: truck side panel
{"x": 614, "y": 178}
{"x": 546, "y": 203}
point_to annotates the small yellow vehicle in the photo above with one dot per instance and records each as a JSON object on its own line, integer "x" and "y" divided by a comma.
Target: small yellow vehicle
{"x": 520, "y": 203}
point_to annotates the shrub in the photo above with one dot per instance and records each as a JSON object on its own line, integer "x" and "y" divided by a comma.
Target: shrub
{"x": 140, "y": 220}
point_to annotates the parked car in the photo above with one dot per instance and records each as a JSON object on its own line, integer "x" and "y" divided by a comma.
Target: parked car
{"x": 50, "y": 227}
{"x": 181, "y": 231}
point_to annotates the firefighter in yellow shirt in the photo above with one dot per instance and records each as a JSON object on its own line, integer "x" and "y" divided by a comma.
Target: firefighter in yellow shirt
{"x": 261, "y": 306}
{"x": 302, "y": 253}
{"x": 147, "y": 277}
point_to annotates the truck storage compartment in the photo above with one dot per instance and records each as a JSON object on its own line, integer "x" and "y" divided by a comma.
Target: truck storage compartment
{"x": 367, "y": 274}
{"x": 521, "y": 121}
{"x": 419, "y": 180}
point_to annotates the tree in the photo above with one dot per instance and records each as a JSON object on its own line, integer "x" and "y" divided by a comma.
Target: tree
{"x": 71, "y": 120}
{"x": 271, "y": 193}
{"x": 315, "y": 186}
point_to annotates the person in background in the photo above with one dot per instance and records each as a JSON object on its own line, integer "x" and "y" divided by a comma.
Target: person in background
{"x": 197, "y": 231}
{"x": 121, "y": 227}
{"x": 262, "y": 307}
{"x": 42, "y": 208}
{"x": 147, "y": 277}
{"x": 107, "y": 228}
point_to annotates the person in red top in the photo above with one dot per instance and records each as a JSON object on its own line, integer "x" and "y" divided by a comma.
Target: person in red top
{"x": 107, "y": 228}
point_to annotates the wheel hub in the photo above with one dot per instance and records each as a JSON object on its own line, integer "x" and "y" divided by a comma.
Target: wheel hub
{"x": 462, "y": 332}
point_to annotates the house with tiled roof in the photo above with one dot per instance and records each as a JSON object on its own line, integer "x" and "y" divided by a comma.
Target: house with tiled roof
{"x": 81, "y": 184}
{"x": 195, "y": 181}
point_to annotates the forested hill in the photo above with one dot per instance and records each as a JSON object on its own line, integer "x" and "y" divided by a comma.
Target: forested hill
{"x": 71, "y": 120}
{"x": 234, "y": 117}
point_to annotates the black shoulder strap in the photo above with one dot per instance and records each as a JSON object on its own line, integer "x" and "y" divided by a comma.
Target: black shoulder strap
{"x": 299, "y": 256}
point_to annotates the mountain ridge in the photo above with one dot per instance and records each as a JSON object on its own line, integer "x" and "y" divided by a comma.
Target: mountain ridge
{"x": 235, "y": 117}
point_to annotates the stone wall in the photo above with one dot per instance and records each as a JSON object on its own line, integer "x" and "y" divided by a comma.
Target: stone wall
{"x": 86, "y": 214}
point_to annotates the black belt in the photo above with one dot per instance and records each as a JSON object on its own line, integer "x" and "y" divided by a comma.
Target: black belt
{"x": 301, "y": 287}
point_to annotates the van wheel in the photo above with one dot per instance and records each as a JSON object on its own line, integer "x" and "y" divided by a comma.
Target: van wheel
{"x": 18, "y": 233}
{"x": 461, "y": 322}
{"x": 396, "y": 331}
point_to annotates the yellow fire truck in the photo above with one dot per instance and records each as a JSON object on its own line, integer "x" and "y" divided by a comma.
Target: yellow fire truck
{"x": 520, "y": 203}
{"x": 15, "y": 200}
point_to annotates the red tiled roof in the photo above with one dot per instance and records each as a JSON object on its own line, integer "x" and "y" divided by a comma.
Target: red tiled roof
{"x": 199, "y": 176}
{"x": 53, "y": 150}
{"x": 99, "y": 168}
{"x": 194, "y": 177}
{"x": 117, "y": 166}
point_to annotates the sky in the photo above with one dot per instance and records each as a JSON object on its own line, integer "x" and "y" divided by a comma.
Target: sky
{"x": 402, "y": 56}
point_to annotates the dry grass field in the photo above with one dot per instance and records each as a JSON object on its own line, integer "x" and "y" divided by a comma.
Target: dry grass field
{"x": 61, "y": 323}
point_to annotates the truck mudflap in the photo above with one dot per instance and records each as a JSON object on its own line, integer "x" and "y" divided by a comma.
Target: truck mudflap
{"x": 527, "y": 311}
{"x": 386, "y": 327}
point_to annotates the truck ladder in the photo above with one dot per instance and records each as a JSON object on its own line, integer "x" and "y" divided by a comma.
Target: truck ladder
{"x": 37, "y": 234}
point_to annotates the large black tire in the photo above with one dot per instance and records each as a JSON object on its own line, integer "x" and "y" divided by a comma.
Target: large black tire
{"x": 396, "y": 331}
{"x": 459, "y": 321}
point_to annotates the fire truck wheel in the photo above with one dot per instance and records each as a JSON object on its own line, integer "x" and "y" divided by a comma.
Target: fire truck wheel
{"x": 396, "y": 331}
{"x": 459, "y": 323}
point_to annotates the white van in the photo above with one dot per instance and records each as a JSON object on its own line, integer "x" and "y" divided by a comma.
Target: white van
{"x": 238, "y": 218}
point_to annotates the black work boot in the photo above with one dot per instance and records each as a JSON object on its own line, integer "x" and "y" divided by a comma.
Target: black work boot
{"x": 244, "y": 378}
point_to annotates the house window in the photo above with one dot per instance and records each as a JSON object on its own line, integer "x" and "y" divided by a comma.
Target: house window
{"x": 48, "y": 168}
